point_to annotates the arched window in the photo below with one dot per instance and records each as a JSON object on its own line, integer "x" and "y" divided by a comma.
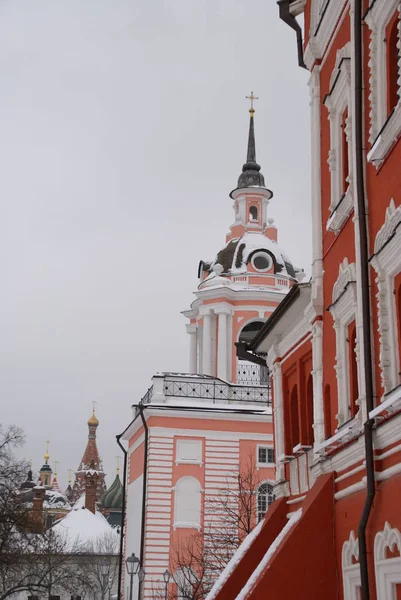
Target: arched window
{"x": 185, "y": 579}
{"x": 265, "y": 498}
{"x": 393, "y": 73}
{"x": 327, "y": 412}
{"x": 294, "y": 417}
{"x": 353, "y": 371}
{"x": 309, "y": 411}
{"x": 187, "y": 502}
{"x": 253, "y": 213}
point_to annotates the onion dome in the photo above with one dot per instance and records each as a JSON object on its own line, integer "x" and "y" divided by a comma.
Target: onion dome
{"x": 93, "y": 420}
{"x": 113, "y": 497}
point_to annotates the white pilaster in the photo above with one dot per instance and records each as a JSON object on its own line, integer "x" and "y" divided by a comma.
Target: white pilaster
{"x": 207, "y": 344}
{"x": 222, "y": 348}
{"x": 193, "y": 343}
{"x": 317, "y": 375}
{"x": 278, "y": 419}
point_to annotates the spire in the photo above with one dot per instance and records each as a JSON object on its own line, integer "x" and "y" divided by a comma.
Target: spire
{"x": 47, "y": 456}
{"x": 251, "y": 175}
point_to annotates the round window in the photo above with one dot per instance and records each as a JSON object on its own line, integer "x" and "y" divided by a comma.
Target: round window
{"x": 262, "y": 261}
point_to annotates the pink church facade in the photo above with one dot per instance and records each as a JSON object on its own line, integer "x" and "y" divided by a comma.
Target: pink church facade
{"x": 193, "y": 433}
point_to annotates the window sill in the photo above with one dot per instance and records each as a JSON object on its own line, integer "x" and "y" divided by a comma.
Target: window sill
{"x": 186, "y": 525}
{"x": 183, "y": 461}
{"x": 340, "y": 213}
{"x": 386, "y": 139}
{"x": 346, "y": 433}
{"x": 265, "y": 465}
{"x": 300, "y": 449}
{"x": 391, "y": 403}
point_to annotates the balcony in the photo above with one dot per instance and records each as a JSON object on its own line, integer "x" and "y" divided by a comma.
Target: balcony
{"x": 186, "y": 389}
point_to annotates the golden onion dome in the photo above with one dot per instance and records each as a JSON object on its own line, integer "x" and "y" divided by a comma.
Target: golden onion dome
{"x": 93, "y": 420}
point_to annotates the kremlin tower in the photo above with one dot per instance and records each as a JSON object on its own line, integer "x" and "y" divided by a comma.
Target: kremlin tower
{"x": 193, "y": 434}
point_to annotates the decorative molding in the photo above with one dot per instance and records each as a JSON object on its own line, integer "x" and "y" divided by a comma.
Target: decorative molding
{"x": 346, "y": 275}
{"x": 377, "y": 18}
{"x": 351, "y": 573}
{"x": 344, "y": 311}
{"x": 340, "y": 213}
{"x": 324, "y": 18}
{"x": 388, "y": 570}
{"x": 391, "y": 221}
{"x": 336, "y": 101}
{"x": 387, "y": 264}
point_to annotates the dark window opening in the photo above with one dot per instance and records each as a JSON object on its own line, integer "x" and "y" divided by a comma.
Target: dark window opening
{"x": 344, "y": 152}
{"x": 354, "y": 392}
{"x": 249, "y": 331}
{"x": 253, "y": 213}
{"x": 327, "y": 412}
{"x": 309, "y": 411}
{"x": 294, "y": 417}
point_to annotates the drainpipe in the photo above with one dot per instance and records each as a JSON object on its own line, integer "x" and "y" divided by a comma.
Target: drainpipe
{"x": 145, "y": 477}
{"x": 120, "y": 561}
{"x": 287, "y": 17}
{"x": 365, "y": 296}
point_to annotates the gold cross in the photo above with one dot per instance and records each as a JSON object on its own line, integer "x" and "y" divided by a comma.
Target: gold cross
{"x": 46, "y": 457}
{"x": 118, "y": 464}
{"x": 94, "y": 404}
{"x": 252, "y": 98}
{"x": 69, "y": 476}
{"x": 55, "y": 463}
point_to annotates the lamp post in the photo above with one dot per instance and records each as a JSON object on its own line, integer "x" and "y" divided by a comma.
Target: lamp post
{"x": 141, "y": 577}
{"x": 104, "y": 570}
{"x": 166, "y": 577}
{"x": 133, "y": 565}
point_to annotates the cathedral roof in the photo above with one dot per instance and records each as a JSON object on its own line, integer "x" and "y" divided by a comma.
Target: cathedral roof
{"x": 29, "y": 483}
{"x": 53, "y": 499}
{"x": 237, "y": 254}
{"x": 113, "y": 497}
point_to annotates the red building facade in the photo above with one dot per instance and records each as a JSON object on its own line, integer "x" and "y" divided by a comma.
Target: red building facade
{"x": 333, "y": 346}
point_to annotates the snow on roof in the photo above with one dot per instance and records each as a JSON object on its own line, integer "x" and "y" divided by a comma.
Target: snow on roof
{"x": 55, "y": 499}
{"x": 84, "y": 531}
{"x": 244, "y": 593}
{"x": 80, "y": 503}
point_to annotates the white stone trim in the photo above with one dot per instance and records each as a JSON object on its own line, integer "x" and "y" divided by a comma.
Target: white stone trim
{"x": 344, "y": 311}
{"x": 351, "y": 573}
{"x": 338, "y": 99}
{"x": 377, "y": 18}
{"x": 317, "y": 376}
{"x": 323, "y": 23}
{"x": 388, "y": 571}
{"x": 387, "y": 264}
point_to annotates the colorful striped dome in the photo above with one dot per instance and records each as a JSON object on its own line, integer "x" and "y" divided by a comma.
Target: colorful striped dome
{"x": 113, "y": 497}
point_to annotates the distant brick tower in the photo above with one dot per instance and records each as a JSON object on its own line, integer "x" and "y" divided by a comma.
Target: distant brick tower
{"x": 90, "y": 461}
{"x": 91, "y": 487}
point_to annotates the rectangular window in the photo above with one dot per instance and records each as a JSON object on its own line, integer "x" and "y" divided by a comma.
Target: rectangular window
{"x": 189, "y": 451}
{"x": 265, "y": 455}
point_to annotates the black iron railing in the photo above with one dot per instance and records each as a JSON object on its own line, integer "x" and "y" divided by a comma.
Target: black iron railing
{"x": 213, "y": 390}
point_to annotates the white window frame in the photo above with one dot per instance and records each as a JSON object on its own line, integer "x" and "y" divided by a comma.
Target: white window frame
{"x": 388, "y": 570}
{"x": 387, "y": 263}
{"x": 178, "y": 522}
{"x": 343, "y": 310}
{"x": 337, "y": 101}
{"x": 351, "y": 571}
{"x": 264, "y": 464}
{"x": 324, "y": 18}
{"x": 188, "y": 461}
{"x": 268, "y": 483}
{"x": 378, "y": 18}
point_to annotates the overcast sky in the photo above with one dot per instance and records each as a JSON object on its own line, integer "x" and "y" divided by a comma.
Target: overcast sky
{"x": 123, "y": 129}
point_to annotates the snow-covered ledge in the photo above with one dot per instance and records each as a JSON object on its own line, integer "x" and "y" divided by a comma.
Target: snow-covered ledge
{"x": 390, "y": 404}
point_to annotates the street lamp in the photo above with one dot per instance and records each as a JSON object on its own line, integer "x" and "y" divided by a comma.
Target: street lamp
{"x": 141, "y": 577}
{"x": 104, "y": 570}
{"x": 166, "y": 577}
{"x": 133, "y": 564}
